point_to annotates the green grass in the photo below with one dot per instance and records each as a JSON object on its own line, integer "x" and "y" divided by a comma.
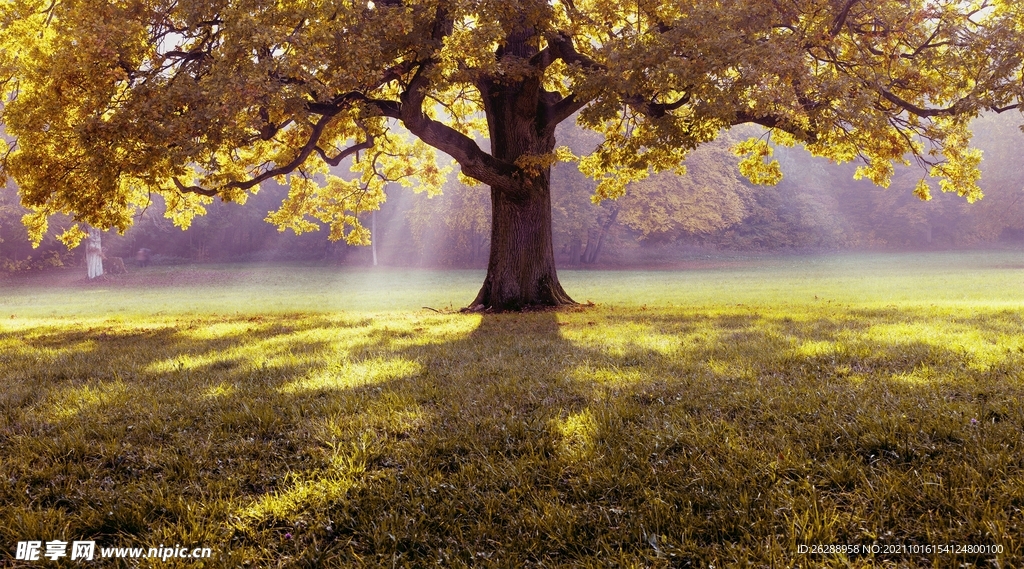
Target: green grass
{"x": 723, "y": 415}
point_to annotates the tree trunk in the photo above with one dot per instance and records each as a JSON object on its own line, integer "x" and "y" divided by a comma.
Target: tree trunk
{"x": 479, "y": 245}
{"x": 373, "y": 235}
{"x": 591, "y": 254}
{"x": 575, "y": 252}
{"x": 521, "y": 265}
{"x": 591, "y": 240}
{"x": 94, "y": 254}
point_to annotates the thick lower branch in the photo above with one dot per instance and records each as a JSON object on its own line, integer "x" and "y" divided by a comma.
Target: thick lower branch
{"x": 304, "y": 153}
{"x": 474, "y": 161}
{"x": 953, "y": 109}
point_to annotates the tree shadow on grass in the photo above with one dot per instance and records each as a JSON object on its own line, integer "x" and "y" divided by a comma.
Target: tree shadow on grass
{"x": 528, "y": 447}
{"x": 541, "y": 439}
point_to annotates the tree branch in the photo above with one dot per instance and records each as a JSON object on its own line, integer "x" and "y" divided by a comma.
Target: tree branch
{"x": 473, "y": 160}
{"x": 543, "y": 58}
{"x": 562, "y": 48}
{"x": 307, "y": 149}
{"x": 656, "y": 110}
{"x": 409, "y": 110}
{"x": 927, "y": 44}
{"x": 772, "y": 121}
{"x": 194, "y": 189}
{"x": 840, "y": 19}
{"x": 564, "y": 108}
{"x": 367, "y": 144}
{"x": 953, "y": 109}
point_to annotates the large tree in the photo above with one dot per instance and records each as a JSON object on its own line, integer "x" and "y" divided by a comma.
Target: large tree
{"x": 108, "y": 102}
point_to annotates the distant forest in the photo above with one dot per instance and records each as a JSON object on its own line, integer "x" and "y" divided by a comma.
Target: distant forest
{"x": 817, "y": 206}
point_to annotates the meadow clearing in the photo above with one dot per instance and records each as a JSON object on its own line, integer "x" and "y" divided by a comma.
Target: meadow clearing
{"x": 726, "y": 414}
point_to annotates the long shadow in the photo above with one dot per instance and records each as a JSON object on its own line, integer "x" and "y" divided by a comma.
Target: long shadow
{"x": 529, "y": 448}
{"x": 508, "y": 440}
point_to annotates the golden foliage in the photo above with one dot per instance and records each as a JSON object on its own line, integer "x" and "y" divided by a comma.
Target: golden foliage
{"x": 110, "y": 102}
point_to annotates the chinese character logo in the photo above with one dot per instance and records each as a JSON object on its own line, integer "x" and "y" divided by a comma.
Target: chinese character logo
{"x": 28, "y": 550}
{"x": 83, "y": 550}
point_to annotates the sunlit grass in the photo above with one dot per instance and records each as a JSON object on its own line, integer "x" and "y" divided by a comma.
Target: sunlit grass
{"x": 378, "y": 370}
{"x": 721, "y": 416}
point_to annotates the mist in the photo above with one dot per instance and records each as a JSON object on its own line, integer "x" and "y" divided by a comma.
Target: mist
{"x": 818, "y": 208}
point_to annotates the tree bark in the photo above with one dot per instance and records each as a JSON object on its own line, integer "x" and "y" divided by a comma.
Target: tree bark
{"x": 521, "y": 265}
{"x": 521, "y": 119}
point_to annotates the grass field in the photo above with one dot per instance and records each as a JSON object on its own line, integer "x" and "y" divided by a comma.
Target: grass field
{"x": 724, "y": 415}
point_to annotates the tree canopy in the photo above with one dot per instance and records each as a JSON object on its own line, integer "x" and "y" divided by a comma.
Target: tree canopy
{"x": 109, "y": 102}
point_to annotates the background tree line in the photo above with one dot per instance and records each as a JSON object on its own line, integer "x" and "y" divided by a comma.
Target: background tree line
{"x": 817, "y": 206}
